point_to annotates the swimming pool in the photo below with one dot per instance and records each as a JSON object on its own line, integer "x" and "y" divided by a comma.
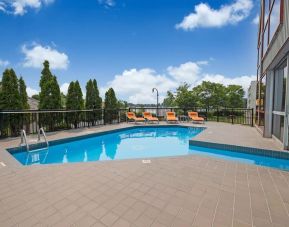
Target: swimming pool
{"x": 138, "y": 142}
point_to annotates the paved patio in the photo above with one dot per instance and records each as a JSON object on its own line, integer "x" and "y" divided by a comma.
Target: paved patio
{"x": 176, "y": 191}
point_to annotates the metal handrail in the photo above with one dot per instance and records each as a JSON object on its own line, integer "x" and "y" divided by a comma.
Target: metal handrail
{"x": 24, "y": 139}
{"x": 44, "y": 135}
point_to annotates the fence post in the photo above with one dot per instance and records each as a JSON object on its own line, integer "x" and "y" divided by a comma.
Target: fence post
{"x": 1, "y": 123}
{"x": 252, "y": 117}
{"x": 103, "y": 116}
{"x": 218, "y": 114}
{"x": 118, "y": 115}
{"x": 232, "y": 116}
{"x": 207, "y": 113}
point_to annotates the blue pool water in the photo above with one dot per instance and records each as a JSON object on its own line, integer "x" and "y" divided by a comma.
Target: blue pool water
{"x": 140, "y": 142}
{"x": 126, "y": 144}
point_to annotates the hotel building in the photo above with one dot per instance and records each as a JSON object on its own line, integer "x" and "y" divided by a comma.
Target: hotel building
{"x": 272, "y": 103}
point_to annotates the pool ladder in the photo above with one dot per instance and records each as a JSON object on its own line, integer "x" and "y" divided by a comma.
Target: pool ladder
{"x": 24, "y": 141}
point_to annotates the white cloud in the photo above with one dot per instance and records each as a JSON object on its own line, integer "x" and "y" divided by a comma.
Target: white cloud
{"x": 30, "y": 91}
{"x": 188, "y": 72}
{"x": 64, "y": 88}
{"x": 244, "y": 81}
{"x": 19, "y": 7}
{"x": 205, "y": 16}
{"x": 2, "y": 6}
{"x": 4, "y": 63}
{"x": 37, "y": 54}
{"x": 256, "y": 19}
{"x": 108, "y": 3}
{"x": 135, "y": 85}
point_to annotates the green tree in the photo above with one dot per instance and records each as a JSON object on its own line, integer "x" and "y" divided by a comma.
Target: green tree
{"x": 10, "y": 97}
{"x": 93, "y": 101}
{"x": 122, "y": 104}
{"x": 110, "y": 101}
{"x": 78, "y": 96}
{"x": 70, "y": 97}
{"x": 10, "y": 100}
{"x": 210, "y": 95}
{"x": 63, "y": 100}
{"x": 49, "y": 97}
{"x": 235, "y": 96}
{"x": 35, "y": 97}
{"x": 74, "y": 98}
{"x": 111, "y": 105}
{"x": 98, "y": 99}
{"x": 169, "y": 100}
{"x": 185, "y": 97}
{"x": 23, "y": 94}
{"x": 74, "y": 101}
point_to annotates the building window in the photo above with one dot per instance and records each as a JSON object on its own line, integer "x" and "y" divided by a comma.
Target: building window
{"x": 278, "y": 126}
{"x": 272, "y": 17}
{"x": 280, "y": 80}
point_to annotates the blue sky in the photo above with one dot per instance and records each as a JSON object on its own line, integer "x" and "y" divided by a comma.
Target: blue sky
{"x": 131, "y": 45}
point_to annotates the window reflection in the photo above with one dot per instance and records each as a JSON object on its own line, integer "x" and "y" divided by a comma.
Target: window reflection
{"x": 271, "y": 14}
{"x": 260, "y": 102}
{"x": 274, "y": 18}
{"x": 280, "y": 79}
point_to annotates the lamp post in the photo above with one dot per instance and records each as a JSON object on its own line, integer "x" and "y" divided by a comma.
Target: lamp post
{"x": 153, "y": 90}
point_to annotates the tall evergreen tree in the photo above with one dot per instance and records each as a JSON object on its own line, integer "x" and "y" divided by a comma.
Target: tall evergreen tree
{"x": 10, "y": 97}
{"x": 93, "y": 100}
{"x": 74, "y": 101}
{"x": 89, "y": 99}
{"x": 111, "y": 105}
{"x": 110, "y": 101}
{"x": 23, "y": 94}
{"x": 98, "y": 99}
{"x": 10, "y": 100}
{"x": 49, "y": 97}
{"x": 70, "y": 97}
{"x": 74, "y": 98}
{"x": 78, "y": 96}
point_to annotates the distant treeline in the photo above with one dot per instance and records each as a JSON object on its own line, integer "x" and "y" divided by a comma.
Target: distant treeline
{"x": 207, "y": 95}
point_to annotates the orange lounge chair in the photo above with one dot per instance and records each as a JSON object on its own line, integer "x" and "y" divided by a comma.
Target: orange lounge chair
{"x": 148, "y": 116}
{"x": 194, "y": 116}
{"x": 171, "y": 116}
{"x": 131, "y": 117}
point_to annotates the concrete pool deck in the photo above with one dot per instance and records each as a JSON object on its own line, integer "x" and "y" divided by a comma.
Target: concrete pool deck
{"x": 173, "y": 191}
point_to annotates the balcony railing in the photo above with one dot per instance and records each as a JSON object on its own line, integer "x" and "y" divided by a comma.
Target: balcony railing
{"x": 11, "y": 122}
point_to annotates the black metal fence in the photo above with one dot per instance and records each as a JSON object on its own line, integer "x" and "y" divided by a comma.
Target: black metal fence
{"x": 229, "y": 115}
{"x": 11, "y": 122}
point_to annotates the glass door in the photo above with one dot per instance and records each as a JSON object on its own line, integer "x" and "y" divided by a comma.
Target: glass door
{"x": 279, "y": 104}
